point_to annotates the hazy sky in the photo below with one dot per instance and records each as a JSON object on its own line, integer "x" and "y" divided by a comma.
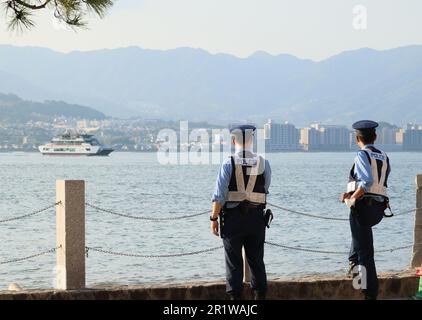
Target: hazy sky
{"x": 312, "y": 29}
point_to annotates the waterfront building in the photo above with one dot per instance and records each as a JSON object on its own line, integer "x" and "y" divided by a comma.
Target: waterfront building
{"x": 281, "y": 137}
{"x": 412, "y": 138}
{"x": 387, "y": 136}
{"x": 400, "y": 136}
{"x": 387, "y": 139}
{"x": 310, "y": 139}
{"x": 319, "y": 137}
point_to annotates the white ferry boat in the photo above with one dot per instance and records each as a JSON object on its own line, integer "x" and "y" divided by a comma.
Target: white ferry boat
{"x": 75, "y": 144}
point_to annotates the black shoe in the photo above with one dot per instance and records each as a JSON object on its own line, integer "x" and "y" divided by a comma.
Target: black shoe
{"x": 352, "y": 266}
{"x": 259, "y": 295}
{"x": 233, "y": 296}
{"x": 369, "y": 296}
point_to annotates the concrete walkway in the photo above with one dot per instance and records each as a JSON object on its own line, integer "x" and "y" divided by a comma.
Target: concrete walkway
{"x": 401, "y": 285}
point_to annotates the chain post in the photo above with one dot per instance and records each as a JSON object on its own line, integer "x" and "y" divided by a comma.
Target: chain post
{"x": 70, "y": 234}
{"x": 417, "y": 235}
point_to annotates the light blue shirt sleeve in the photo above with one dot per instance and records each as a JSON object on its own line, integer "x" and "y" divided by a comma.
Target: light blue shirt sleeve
{"x": 222, "y": 183}
{"x": 267, "y": 176}
{"x": 363, "y": 171}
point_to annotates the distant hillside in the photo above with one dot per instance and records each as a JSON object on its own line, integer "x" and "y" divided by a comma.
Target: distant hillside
{"x": 14, "y": 109}
{"x": 193, "y": 84}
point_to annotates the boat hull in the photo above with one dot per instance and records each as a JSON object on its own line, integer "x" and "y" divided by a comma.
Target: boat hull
{"x": 75, "y": 145}
{"x": 102, "y": 152}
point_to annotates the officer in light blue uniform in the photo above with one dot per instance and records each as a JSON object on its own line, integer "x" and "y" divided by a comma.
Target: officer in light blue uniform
{"x": 367, "y": 199}
{"x": 239, "y": 201}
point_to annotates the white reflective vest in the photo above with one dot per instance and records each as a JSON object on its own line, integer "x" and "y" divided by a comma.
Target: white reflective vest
{"x": 246, "y": 193}
{"x": 378, "y": 186}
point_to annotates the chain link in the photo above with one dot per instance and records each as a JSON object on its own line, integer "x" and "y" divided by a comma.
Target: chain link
{"x": 87, "y": 249}
{"x": 150, "y": 255}
{"x": 307, "y": 214}
{"x": 331, "y": 218}
{"x": 146, "y": 218}
{"x": 401, "y": 213}
{"x": 303, "y": 249}
{"x": 31, "y": 256}
{"x": 396, "y": 248}
{"x": 182, "y": 217}
{"x": 331, "y": 252}
{"x": 208, "y": 211}
{"x": 30, "y": 214}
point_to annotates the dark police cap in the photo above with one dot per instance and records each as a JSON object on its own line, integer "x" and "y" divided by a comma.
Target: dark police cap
{"x": 365, "y": 125}
{"x": 243, "y": 128}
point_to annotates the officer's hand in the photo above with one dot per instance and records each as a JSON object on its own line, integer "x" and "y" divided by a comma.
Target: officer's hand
{"x": 214, "y": 228}
{"x": 350, "y": 202}
{"x": 344, "y": 196}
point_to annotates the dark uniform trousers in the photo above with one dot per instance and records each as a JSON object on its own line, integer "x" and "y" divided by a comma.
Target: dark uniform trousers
{"x": 362, "y": 218}
{"x": 244, "y": 228}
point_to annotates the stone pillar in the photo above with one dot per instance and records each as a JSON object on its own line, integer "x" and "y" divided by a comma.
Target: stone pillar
{"x": 246, "y": 270}
{"x": 417, "y": 242}
{"x": 70, "y": 234}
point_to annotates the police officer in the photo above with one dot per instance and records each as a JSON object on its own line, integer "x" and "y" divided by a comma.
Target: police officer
{"x": 240, "y": 198}
{"x": 367, "y": 199}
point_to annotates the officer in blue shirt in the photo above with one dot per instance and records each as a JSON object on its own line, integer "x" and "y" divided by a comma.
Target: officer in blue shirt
{"x": 367, "y": 199}
{"x": 239, "y": 200}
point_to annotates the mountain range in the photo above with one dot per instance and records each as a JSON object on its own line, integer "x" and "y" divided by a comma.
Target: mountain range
{"x": 193, "y": 84}
{"x": 16, "y": 110}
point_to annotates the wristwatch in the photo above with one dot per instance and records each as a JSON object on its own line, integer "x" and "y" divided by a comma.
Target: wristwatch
{"x": 213, "y": 219}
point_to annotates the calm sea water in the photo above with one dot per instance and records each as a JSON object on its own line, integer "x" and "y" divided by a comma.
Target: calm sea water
{"x": 135, "y": 183}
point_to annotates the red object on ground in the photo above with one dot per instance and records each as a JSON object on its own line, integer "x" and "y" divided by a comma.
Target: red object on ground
{"x": 419, "y": 271}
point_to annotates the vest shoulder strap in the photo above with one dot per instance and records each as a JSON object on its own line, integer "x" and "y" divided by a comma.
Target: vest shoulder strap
{"x": 367, "y": 155}
{"x": 246, "y": 192}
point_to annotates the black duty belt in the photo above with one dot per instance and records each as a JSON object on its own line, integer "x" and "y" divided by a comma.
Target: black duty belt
{"x": 245, "y": 205}
{"x": 369, "y": 201}
{"x": 372, "y": 202}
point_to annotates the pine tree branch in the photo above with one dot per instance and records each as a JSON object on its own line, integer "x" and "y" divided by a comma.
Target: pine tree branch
{"x": 32, "y": 6}
{"x": 71, "y": 12}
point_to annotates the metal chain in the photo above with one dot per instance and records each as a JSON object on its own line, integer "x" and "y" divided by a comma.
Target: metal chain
{"x": 31, "y": 256}
{"x": 207, "y": 211}
{"x": 151, "y": 256}
{"x": 401, "y": 213}
{"x": 302, "y": 249}
{"x": 396, "y": 248}
{"x": 220, "y": 247}
{"x": 30, "y": 214}
{"x": 306, "y": 214}
{"x": 146, "y": 218}
{"x": 331, "y": 252}
{"x": 331, "y": 218}
{"x": 187, "y": 216}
